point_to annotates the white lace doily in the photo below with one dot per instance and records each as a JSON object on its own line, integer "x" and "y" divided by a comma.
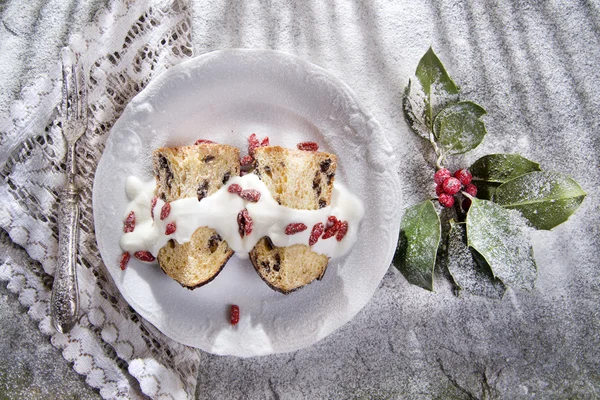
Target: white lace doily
{"x": 127, "y": 45}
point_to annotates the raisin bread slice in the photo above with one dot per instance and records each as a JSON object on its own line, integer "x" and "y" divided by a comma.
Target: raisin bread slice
{"x": 296, "y": 179}
{"x": 194, "y": 171}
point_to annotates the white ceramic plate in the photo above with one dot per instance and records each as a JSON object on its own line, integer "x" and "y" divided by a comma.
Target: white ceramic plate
{"x": 225, "y": 96}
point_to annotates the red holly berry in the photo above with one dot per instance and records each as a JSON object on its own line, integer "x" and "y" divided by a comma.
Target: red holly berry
{"x": 129, "y": 224}
{"x": 165, "y": 211}
{"x": 234, "y": 188}
{"x": 439, "y": 189}
{"x": 464, "y": 176}
{"x": 441, "y": 175}
{"x": 451, "y": 186}
{"x": 152, "y": 205}
{"x": 471, "y": 189}
{"x": 234, "y": 314}
{"x": 247, "y": 161}
{"x": 294, "y": 228}
{"x": 316, "y": 233}
{"x": 171, "y": 227}
{"x": 124, "y": 260}
{"x": 265, "y": 142}
{"x": 244, "y": 223}
{"x": 251, "y": 195}
{"x": 446, "y": 200}
{"x": 253, "y": 143}
{"x": 144, "y": 256}
{"x": 308, "y": 146}
{"x": 343, "y": 229}
{"x": 203, "y": 141}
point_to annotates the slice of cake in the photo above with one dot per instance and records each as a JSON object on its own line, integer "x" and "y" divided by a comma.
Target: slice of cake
{"x": 296, "y": 179}
{"x": 194, "y": 171}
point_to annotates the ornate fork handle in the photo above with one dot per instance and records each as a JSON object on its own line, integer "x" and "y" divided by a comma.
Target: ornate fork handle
{"x": 65, "y": 292}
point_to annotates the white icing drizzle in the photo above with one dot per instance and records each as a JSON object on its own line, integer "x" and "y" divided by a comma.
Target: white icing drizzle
{"x": 220, "y": 210}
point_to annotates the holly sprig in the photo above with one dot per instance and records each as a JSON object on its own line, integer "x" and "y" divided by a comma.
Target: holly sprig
{"x": 483, "y": 240}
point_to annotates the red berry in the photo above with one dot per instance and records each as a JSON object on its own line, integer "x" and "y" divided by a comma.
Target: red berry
{"x": 152, "y": 205}
{"x": 203, "y": 141}
{"x": 264, "y": 142}
{"x": 244, "y": 223}
{"x": 463, "y": 176}
{"x": 447, "y": 200}
{"x": 246, "y": 161}
{"x": 171, "y": 227}
{"x": 234, "y": 314}
{"x": 144, "y": 256}
{"x": 316, "y": 233}
{"x": 251, "y": 195}
{"x": 129, "y": 225}
{"x": 451, "y": 186}
{"x": 471, "y": 189}
{"x": 124, "y": 260}
{"x": 332, "y": 229}
{"x": 294, "y": 228}
{"x": 253, "y": 143}
{"x": 439, "y": 189}
{"x": 441, "y": 175}
{"x": 234, "y": 188}
{"x": 308, "y": 146}
{"x": 343, "y": 229}
{"x": 466, "y": 203}
{"x": 165, "y": 211}
{"x": 332, "y": 220}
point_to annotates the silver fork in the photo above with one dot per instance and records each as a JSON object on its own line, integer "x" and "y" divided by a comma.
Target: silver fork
{"x": 74, "y": 114}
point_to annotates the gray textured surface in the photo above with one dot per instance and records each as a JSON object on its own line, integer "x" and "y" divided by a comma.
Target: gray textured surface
{"x": 534, "y": 67}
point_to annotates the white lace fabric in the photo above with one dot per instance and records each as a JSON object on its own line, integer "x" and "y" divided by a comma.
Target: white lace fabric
{"x": 126, "y": 46}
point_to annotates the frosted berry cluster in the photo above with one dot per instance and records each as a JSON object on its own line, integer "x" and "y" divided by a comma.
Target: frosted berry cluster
{"x": 448, "y": 186}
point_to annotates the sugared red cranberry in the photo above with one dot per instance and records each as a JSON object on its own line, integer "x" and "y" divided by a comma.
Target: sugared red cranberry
{"x": 165, "y": 211}
{"x": 144, "y": 256}
{"x": 152, "y": 205}
{"x": 124, "y": 260}
{"x": 171, "y": 227}
{"x": 204, "y": 141}
{"x": 234, "y": 314}
{"x": 264, "y": 142}
{"x": 294, "y": 228}
{"x": 247, "y": 161}
{"x": 446, "y": 200}
{"x": 251, "y": 195}
{"x": 234, "y": 188}
{"x": 316, "y": 233}
{"x": 471, "y": 189}
{"x": 253, "y": 143}
{"x": 463, "y": 176}
{"x": 129, "y": 225}
{"x": 439, "y": 189}
{"x": 343, "y": 229}
{"x": 308, "y": 146}
{"x": 451, "y": 186}
{"x": 441, "y": 175}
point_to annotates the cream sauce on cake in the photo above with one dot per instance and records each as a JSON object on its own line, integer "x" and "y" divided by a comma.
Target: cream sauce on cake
{"x": 220, "y": 210}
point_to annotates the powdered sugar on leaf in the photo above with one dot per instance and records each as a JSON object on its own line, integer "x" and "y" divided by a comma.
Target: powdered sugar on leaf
{"x": 470, "y": 274}
{"x": 501, "y": 237}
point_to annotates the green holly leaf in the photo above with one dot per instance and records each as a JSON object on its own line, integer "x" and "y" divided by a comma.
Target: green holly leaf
{"x": 420, "y": 233}
{"x": 546, "y": 199}
{"x": 428, "y": 94}
{"x": 468, "y": 269}
{"x": 501, "y": 237}
{"x": 458, "y": 127}
{"x": 492, "y": 170}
